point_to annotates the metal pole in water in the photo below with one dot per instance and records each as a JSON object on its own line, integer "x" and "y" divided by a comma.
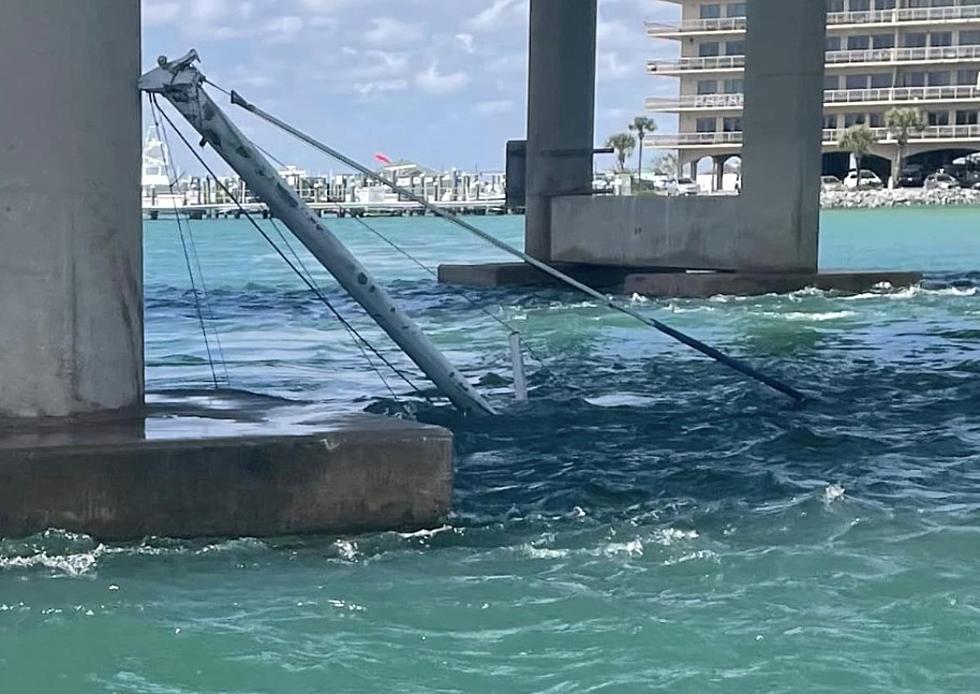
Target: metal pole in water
{"x": 517, "y": 357}
{"x": 181, "y": 84}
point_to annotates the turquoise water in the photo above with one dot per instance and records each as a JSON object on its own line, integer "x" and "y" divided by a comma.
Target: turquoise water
{"x": 650, "y": 521}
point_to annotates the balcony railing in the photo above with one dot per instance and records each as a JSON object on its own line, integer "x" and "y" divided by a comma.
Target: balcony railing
{"x": 727, "y": 25}
{"x": 904, "y": 55}
{"x": 882, "y": 135}
{"x": 724, "y": 25}
{"x": 696, "y": 101}
{"x": 833, "y": 58}
{"x": 717, "y": 62}
{"x": 832, "y": 97}
{"x": 905, "y": 15}
{"x": 901, "y": 95}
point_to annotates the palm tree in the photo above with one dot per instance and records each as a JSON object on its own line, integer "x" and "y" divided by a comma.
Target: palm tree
{"x": 901, "y": 123}
{"x": 624, "y": 144}
{"x": 642, "y": 126}
{"x": 666, "y": 164}
{"x": 858, "y": 140}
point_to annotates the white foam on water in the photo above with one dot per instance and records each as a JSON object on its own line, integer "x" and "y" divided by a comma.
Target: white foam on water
{"x": 669, "y": 536}
{"x": 832, "y": 493}
{"x": 817, "y": 317}
{"x": 427, "y": 533}
{"x": 544, "y": 552}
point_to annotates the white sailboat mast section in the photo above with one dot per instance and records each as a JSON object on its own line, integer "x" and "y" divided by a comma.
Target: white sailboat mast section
{"x": 182, "y": 85}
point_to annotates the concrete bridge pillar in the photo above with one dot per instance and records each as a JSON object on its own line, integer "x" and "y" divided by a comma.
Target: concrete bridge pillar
{"x": 560, "y": 111}
{"x": 782, "y": 125}
{"x": 71, "y": 274}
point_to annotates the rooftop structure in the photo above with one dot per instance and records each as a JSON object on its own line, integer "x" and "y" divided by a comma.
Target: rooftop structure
{"x": 880, "y": 54}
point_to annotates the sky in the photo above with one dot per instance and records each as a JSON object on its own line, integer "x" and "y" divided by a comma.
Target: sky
{"x": 438, "y": 82}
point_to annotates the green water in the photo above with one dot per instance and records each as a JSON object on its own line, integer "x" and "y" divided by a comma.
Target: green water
{"x": 650, "y": 521}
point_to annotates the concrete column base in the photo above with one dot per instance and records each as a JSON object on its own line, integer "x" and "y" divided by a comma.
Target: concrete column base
{"x": 238, "y": 465}
{"x": 673, "y": 282}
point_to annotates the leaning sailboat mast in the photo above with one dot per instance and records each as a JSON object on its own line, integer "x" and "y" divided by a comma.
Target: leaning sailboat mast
{"x": 181, "y": 84}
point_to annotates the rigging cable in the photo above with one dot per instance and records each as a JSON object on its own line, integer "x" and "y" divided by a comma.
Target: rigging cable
{"x": 310, "y": 283}
{"x": 453, "y": 289}
{"x": 183, "y": 242}
{"x": 709, "y": 351}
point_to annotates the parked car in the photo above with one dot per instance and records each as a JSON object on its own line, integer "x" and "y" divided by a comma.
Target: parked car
{"x": 682, "y": 186}
{"x": 912, "y": 176}
{"x": 941, "y": 181}
{"x": 830, "y": 183}
{"x": 869, "y": 179}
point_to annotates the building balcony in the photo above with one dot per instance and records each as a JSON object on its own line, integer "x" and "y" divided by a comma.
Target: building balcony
{"x": 836, "y": 21}
{"x": 895, "y": 96}
{"x": 891, "y": 57}
{"x": 943, "y": 134}
{"x": 680, "y": 66}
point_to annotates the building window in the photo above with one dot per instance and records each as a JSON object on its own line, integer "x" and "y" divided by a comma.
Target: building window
{"x": 732, "y": 125}
{"x": 831, "y": 82}
{"x": 938, "y": 118}
{"x": 858, "y": 43}
{"x": 736, "y": 9}
{"x": 735, "y": 48}
{"x": 916, "y": 39}
{"x": 939, "y": 79}
{"x": 856, "y": 82}
{"x": 736, "y": 86}
{"x": 913, "y": 79}
{"x": 712, "y": 11}
{"x": 966, "y": 118}
{"x": 970, "y": 38}
{"x": 876, "y": 120}
{"x": 833, "y": 43}
{"x": 941, "y": 39}
{"x": 881, "y": 80}
{"x": 707, "y": 86}
{"x": 829, "y": 122}
{"x": 968, "y": 77}
{"x": 883, "y": 41}
{"x": 706, "y": 125}
{"x": 859, "y": 5}
{"x": 709, "y": 49}
{"x": 884, "y": 4}
{"x": 835, "y": 5}
{"x": 851, "y": 119}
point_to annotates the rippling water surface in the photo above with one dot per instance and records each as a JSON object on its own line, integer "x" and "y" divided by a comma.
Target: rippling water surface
{"x": 649, "y": 521}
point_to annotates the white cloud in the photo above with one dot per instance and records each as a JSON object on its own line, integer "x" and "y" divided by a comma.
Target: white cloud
{"x": 465, "y": 42}
{"x": 322, "y": 6}
{"x": 156, "y": 13}
{"x": 499, "y": 13}
{"x": 435, "y": 82}
{"x": 378, "y": 87}
{"x": 388, "y": 30}
{"x": 494, "y": 107}
{"x": 609, "y": 66}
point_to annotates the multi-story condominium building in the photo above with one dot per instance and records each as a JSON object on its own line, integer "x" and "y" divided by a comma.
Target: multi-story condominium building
{"x": 881, "y": 54}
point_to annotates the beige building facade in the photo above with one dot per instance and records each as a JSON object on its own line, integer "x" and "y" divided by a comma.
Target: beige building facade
{"x": 880, "y": 54}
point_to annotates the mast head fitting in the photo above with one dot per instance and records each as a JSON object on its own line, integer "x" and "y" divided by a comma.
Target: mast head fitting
{"x": 172, "y": 74}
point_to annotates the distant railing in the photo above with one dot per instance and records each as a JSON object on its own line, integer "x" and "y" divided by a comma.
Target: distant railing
{"x": 717, "y": 62}
{"x": 706, "y": 101}
{"x": 721, "y": 24}
{"x": 681, "y": 139}
{"x": 875, "y": 55}
{"x": 902, "y": 94}
{"x": 723, "y": 102}
{"x": 882, "y": 135}
{"x": 903, "y": 16}
{"x": 900, "y": 55}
